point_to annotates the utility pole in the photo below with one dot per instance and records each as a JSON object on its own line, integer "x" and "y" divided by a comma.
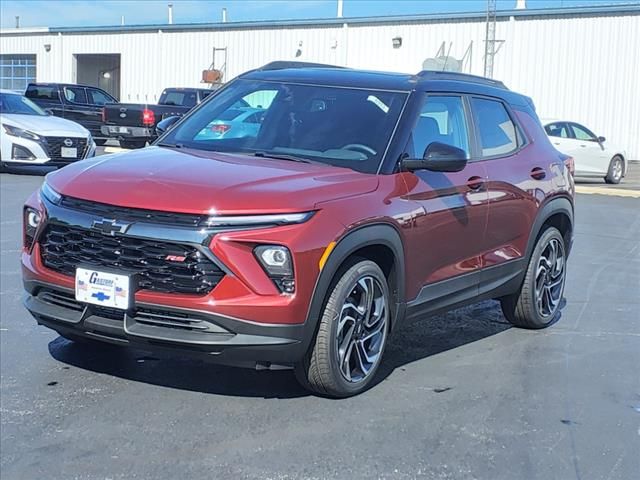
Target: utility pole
{"x": 490, "y": 39}
{"x": 339, "y": 13}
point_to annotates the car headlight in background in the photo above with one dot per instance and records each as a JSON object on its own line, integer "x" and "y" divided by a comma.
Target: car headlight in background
{"x": 20, "y": 132}
{"x": 276, "y": 261}
{"x": 32, "y": 219}
{"x": 49, "y": 193}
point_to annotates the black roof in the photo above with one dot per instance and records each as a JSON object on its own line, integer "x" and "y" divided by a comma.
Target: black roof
{"x": 310, "y": 73}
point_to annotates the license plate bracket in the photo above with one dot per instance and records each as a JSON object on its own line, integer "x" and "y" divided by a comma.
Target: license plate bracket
{"x": 105, "y": 287}
{"x": 69, "y": 152}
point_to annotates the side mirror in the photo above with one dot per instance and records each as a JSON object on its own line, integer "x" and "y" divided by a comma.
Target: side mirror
{"x": 438, "y": 157}
{"x": 601, "y": 139}
{"x": 166, "y": 124}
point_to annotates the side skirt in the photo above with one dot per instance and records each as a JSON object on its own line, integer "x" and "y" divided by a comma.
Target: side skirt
{"x": 493, "y": 282}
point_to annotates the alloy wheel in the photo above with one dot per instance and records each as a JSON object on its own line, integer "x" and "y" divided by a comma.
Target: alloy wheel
{"x": 550, "y": 274}
{"x": 616, "y": 170}
{"x": 362, "y": 330}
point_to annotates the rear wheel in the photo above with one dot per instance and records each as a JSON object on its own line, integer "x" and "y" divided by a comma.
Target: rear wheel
{"x": 537, "y": 303}
{"x": 352, "y": 334}
{"x": 616, "y": 169}
{"x": 133, "y": 143}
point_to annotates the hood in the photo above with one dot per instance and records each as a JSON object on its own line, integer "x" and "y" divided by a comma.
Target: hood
{"x": 46, "y": 126}
{"x": 193, "y": 181}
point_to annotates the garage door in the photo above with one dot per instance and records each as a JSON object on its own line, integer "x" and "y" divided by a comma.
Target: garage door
{"x": 16, "y": 71}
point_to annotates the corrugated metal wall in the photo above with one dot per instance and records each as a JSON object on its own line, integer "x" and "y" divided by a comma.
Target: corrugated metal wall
{"x": 584, "y": 68}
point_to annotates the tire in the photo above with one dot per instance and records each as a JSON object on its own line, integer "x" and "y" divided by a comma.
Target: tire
{"x": 616, "y": 170}
{"x": 526, "y": 308}
{"x": 133, "y": 143}
{"x": 100, "y": 141}
{"x": 324, "y": 370}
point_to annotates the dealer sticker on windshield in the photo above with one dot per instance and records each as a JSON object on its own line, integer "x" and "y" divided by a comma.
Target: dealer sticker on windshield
{"x": 103, "y": 288}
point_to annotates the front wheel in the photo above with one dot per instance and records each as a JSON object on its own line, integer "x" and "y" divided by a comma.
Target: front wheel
{"x": 352, "y": 334}
{"x": 537, "y": 303}
{"x": 616, "y": 169}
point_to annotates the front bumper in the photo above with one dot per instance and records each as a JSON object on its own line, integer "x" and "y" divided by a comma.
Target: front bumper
{"x": 40, "y": 153}
{"x": 159, "y": 327}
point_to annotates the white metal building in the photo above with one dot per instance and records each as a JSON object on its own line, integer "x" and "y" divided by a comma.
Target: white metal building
{"x": 578, "y": 63}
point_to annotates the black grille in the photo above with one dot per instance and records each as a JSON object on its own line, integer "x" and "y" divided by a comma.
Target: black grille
{"x": 55, "y": 144}
{"x": 132, "y": 214}
{"x": 63, "y": 248}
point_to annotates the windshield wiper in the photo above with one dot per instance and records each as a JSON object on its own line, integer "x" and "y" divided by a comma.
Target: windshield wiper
{"x": 281, "y": 156}
{"x": 171, "y": 145}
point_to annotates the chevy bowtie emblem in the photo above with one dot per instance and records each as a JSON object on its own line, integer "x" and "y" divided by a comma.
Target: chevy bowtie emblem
{"x": 110, "y": 227}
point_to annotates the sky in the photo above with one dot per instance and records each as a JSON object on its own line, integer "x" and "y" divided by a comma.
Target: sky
{"x": 73, "y": 13}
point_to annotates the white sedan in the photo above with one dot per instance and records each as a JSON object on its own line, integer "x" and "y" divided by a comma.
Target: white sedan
{"x": 30, "y": 136}
{"x": 593, "y": 155}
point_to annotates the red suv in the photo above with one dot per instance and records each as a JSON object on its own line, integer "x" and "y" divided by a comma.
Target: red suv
{"x": 357, "y": 201}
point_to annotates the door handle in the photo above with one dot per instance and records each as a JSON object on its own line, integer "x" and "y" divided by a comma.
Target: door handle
{"x": 583, "y": 145}
{"x": 475, "y": 183}
{"x": 538, "y": 173}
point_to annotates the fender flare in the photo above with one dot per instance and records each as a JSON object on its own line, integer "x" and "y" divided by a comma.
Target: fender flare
{"x": 366, "y": 235}
{"x": 556, "y": 205}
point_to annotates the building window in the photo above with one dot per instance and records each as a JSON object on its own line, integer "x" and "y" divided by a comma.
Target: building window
{"x": 17, "y": 71}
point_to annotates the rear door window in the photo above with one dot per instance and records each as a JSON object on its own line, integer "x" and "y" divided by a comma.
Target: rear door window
{"x": 98, "y": 97}
{"x": 179, "y": 98}
{"x": 75, "y": 95}
{"x": 558, "y": 129}
{"x": 498, "y": 135}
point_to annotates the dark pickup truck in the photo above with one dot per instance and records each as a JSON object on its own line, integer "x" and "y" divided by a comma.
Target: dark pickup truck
{"x": 135, "y": 124}
{"x": 80, "y": 103}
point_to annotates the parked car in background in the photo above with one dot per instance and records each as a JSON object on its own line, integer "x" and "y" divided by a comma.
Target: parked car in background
{"x": 79, "y": 103}
{"x": 364, "y": 199}
{"x": 31, "y": 136}
{"x": 593, "y": 155}
{"x": 234, "y": 123}
{"x": 135, "y": 124}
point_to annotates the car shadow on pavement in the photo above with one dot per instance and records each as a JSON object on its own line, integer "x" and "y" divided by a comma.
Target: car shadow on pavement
{"x": 412, "y": 342}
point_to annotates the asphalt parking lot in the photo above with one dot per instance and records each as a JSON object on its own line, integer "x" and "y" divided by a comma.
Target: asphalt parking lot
{"x": 462, "y": 395}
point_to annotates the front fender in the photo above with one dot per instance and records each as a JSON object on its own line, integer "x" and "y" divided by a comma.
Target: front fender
{"x": 351, "y": 242}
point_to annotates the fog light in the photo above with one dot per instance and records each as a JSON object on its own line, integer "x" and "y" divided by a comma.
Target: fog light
{"x": 276, "y": 261}
{"x": 32, "y": 220}
{"x": 21, "y": 153}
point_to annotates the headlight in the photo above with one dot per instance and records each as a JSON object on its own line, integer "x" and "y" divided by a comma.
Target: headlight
{"x": 257, "y": 220}
{"x": 276, "y": 261}
{"x": 32, "y": 220}
{"x": 20, "y": 132}
{"x": 49, "y": 193}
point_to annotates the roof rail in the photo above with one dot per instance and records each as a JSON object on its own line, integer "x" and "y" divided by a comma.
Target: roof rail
{"x": 282, "y": 64}
{"x": 463, "y": 77}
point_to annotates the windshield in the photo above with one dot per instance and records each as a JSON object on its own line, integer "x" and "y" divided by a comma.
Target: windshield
{"x": 17, "y": 104}
{"x": 346, "y": 127}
